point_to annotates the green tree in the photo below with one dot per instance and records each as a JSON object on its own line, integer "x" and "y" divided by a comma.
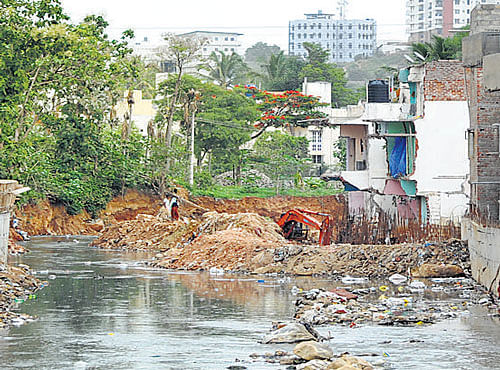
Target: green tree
{"x": 58, "y": 84}
{"x": 285, "y": 110}
{"x": 224, "y": 69}
{"x": 259, "y": 54}
{"x": 317, "y": 68}
{"x": 181, "y": 51}
{"x": 280, "y": 155}
{"x": 440, "y": 48}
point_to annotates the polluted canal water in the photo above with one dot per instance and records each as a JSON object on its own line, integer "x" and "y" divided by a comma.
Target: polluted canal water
{"x": 107, "y": 310}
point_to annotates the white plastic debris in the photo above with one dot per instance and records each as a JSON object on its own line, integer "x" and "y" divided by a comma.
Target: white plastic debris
{"x": 354, "y": 280}
{"x": 398, "y": 279}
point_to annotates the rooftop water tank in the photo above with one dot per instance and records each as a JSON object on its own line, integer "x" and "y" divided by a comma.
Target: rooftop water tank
{"x": 378, "y": 91}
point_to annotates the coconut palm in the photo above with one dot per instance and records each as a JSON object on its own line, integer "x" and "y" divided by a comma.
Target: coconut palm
{"x": 222, "y": 68}
{"x": 276, "y": 66}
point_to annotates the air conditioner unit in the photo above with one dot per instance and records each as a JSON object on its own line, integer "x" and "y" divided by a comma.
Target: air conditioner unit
{"x": 360, "y": 165}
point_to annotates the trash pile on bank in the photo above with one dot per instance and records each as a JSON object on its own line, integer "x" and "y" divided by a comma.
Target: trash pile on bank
{"x": 402, "y": 302}
{"x": 17, "y": 284}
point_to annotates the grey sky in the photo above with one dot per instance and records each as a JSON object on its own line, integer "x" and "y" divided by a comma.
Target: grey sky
{"x": 258, "y": 20}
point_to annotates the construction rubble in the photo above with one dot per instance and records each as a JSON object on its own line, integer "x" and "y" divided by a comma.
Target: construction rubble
{"x": 310, "y": 352}
{"x": 17, "y": 284}
{"x": 250, "y": 243}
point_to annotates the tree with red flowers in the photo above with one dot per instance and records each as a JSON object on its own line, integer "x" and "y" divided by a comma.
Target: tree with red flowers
{"x": 286, "y": 109}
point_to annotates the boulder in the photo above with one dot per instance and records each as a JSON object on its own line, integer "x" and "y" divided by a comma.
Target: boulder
{"x": 312, "y": 350}
{"x": 434, "y": 270}
{"x": 313, "y": 365}
{"x": 350, "y": 362}
{"x": 290, "y": 333}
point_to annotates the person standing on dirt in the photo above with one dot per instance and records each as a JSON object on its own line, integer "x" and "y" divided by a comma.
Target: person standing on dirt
{"x": 174, "y": 206}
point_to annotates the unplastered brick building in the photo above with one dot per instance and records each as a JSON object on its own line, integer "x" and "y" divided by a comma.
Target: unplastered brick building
{"x": 481, "y": 57}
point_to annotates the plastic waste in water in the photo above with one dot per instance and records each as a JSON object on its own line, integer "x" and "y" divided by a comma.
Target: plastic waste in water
{"x": 354, "y": 280}
{"x": 397, "y": 279}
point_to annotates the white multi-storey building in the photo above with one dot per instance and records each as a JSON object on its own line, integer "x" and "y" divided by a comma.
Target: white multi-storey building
{"x": 425, "y": 18}
{"x": 343, "y": 38}
{"x": 226, "y": 42}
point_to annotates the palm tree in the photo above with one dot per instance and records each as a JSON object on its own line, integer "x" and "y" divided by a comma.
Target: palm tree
{"x": 276, "y": 66}
{"x": 223, "y": 68}
{"x": 439, "y": 48}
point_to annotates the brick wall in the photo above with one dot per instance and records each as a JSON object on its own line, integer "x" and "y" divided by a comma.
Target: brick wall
{"x": 485, "y": 163}
{"x": 444, "y": 81}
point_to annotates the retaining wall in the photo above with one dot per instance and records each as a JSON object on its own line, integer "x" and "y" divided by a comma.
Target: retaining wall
{"x": 484, "y": 248}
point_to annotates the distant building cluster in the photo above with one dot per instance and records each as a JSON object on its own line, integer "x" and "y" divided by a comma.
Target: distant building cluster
{"x": 425, "y": 18}
{"x": 343, "y": 38}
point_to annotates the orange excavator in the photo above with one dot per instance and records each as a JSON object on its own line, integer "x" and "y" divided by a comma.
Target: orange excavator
{"x": 292, "y": 223}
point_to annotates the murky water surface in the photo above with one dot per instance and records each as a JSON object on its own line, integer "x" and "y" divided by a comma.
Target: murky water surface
{"x": 105, "y": 310}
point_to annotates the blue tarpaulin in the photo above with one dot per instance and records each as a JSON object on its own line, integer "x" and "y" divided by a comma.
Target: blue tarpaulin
{"x": 397, "y": 159}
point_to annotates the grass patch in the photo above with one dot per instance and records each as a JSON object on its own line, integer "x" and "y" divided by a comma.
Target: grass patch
{"x": 238, "y": 192}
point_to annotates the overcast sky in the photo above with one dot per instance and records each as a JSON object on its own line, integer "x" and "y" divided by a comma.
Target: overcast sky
{"x": 258, "y": 20}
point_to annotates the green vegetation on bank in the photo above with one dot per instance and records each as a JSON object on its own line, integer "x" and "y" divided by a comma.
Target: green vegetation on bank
{"x": 60, "y": 133}
{"x": 238, "y": 192}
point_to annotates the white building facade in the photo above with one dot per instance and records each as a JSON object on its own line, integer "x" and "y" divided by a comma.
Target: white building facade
{"x": 343, "y": 38}
{"x": 226, "y": 42}
{"x": 425, "y": 18}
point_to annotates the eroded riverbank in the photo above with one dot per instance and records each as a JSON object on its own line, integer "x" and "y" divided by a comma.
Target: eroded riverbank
{"x": 106, "y": 309}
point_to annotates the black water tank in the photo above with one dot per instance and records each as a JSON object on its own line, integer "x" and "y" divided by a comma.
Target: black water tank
{"x": 378, "y": 91}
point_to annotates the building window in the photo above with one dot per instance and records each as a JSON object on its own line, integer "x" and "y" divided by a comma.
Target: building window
{"x": 318, "y": 159}
{"x": 316, "y": 140}
{"x": 226, "y": 38}
{"x": 232, "y": 38}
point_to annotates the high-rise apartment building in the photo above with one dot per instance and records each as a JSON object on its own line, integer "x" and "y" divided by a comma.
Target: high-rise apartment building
{"x": 343, "y": 38}
{"x": 425, "y": 18}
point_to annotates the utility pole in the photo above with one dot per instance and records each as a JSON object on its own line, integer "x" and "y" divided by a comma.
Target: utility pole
{"x": 192, "y": 95}
{"x": 193, "y": 159}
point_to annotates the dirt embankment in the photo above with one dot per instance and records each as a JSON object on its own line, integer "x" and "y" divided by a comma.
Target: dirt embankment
{"x": 45, "y": 218}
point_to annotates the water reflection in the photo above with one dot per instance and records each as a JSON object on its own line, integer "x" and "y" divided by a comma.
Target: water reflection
{"x": 107, "y": 310}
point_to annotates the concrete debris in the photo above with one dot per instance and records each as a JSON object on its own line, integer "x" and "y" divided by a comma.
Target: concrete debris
{"x": 312, "y": 350}
{"x": 342, "y": 361}
{"x": 291, "y": 333}
{"x": 17, "y": 284}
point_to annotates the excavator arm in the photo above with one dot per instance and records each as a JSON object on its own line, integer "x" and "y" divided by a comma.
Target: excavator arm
{"x": 294, "y": 218}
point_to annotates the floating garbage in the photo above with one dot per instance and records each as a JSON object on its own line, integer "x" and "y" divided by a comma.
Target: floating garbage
{"x": 397, "y": 279}
{"x": 216, "y": 271}
{"x": 416, "y": 284}
{"x": 354, "y": 280}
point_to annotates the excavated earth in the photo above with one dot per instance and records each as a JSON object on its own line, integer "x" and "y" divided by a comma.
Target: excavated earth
{"x": 241, "y": 235}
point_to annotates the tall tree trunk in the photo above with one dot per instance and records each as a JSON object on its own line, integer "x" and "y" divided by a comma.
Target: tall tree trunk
{"x": 170, "y": 118}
